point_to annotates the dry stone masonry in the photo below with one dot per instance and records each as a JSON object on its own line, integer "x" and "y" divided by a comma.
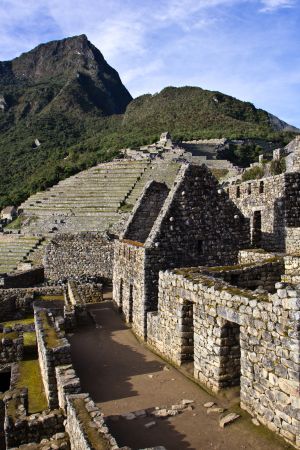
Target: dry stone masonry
{"x": 53, "y": 350}
{"x": 224, "y": 310}
{"x": 198, "y": 224}
{"x": 79, "y": 255}
{"x": 208, "y": 276}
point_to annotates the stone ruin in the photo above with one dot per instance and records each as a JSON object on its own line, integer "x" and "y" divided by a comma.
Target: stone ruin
{"x": 233, "y": 322}
{"x": 207, "y": 276}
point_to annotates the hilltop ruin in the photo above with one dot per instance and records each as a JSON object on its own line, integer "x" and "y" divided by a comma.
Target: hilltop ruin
{"x": 205, "y": 272}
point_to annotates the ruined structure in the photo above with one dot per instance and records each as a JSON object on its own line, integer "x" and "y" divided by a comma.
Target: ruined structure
{"x": 233, "y": 322}
{"x": 206, "y": 275}
{"x": 192, "y": 224}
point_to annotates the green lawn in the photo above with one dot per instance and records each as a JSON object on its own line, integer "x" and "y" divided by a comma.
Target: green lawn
{"x": 30, "y": 377}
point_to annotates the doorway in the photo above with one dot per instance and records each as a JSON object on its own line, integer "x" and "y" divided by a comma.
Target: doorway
{"x": 256, "y": 229}
{"x": 230, "y": 351}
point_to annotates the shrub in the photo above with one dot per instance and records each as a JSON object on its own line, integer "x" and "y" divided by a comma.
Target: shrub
{"x": 254, "y": 173}
{"x": 278, "y": 166}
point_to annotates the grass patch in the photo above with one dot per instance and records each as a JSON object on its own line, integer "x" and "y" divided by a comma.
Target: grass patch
{"x": 29, "y": 339}
{"x": 13, "y": 335}
{"x": 50, "y": 297}
{"x": 96, "y": 440}
{"x": 126, "y": 207}
{"x": 15, "y": 224}
{"x": 219, "y": 173}
{"x": 30, "y": 377}
{"x": 11, "y": 323}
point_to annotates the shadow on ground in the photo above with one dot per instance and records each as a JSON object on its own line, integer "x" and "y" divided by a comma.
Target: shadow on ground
{"x": 104, "y": 365}
{"x": 134, "y": 434}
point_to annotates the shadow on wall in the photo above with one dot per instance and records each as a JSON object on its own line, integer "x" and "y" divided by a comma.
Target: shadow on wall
{"x": 90, "y": 347}
{"x": 275, "y": 241}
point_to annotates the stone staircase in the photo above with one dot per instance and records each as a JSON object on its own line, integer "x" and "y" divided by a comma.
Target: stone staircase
{"x": 88, "y": 201}
{"x": 16, "y": 249}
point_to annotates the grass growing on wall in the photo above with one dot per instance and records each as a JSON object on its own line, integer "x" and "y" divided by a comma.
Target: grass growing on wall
{"x": 98, "y": 442}
{"x": 50, "y": 297}
{"x": 11, "y": 323}
{"x": 30, "y": 377}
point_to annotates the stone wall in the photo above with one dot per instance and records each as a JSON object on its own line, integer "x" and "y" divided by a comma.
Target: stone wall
{"x": 79, "y": 255}
{"x": 234, "y": 336}
{"x": 24, "y": 279}
{"x": 67, "y": 384}
{"x": 53, "y": 350}
{"x": 21, "y": 428}
{"x": 263, "y": 197}
{"x": 250, "y": 256}
{"x": 17, "y": 303}
{"x": 272, "y": 204}
{"x": 11, "y": 346}
{"x": 86, "y": 426}
{"x": 83, "y": 293}
{"x": 291, "y": 269}
{"x": 263, "y": 274}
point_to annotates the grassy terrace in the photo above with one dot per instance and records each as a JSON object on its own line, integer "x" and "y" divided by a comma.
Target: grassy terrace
{"x": 26, "y": 321}
{"x": 30, "y": 377}
{"x": 97, "y": 442}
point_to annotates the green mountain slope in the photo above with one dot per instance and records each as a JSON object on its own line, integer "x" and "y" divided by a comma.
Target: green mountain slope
{"x": 63, "y": 109}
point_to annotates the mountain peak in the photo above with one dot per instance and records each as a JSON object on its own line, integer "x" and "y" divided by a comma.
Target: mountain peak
{"x": 75, "y": 76}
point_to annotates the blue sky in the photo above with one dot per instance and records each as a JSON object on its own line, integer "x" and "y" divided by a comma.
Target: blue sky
{"x": 245, "y": 48}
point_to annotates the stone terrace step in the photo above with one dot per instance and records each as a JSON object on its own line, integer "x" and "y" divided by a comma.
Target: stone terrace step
{"x": 98, "y": 191}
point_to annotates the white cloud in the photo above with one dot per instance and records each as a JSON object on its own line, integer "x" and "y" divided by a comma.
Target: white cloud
{"x": 224, "y": 45}
{"x": 272, "y": 5}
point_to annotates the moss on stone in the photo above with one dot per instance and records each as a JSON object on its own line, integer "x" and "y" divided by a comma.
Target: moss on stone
{"x": 12, "y": 335}
{"x": 50, "y": 297}
{"x": 52, "y": 340}
{"x": 26, "y": 321}
{"x": 97, "y": 441}
{"x": 30, "y": 377}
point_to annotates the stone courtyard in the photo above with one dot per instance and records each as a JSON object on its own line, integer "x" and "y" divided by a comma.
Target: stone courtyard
{"x": 145, "y": 304}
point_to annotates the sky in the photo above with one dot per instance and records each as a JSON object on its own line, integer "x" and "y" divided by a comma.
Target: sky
{"x": 245, "y": 48}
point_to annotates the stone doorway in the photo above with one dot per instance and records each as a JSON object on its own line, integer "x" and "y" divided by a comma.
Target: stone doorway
{"x": 230, "y": 355}
{"x": 256, "y": 229}
{"x": 4, "y": 381}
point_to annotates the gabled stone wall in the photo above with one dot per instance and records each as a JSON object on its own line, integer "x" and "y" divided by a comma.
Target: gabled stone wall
{"x": 146, "y": 211}
{"x": 197, "y": 225}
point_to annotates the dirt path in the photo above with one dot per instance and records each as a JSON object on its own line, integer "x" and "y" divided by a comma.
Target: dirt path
{"x": 124, "y": 376}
